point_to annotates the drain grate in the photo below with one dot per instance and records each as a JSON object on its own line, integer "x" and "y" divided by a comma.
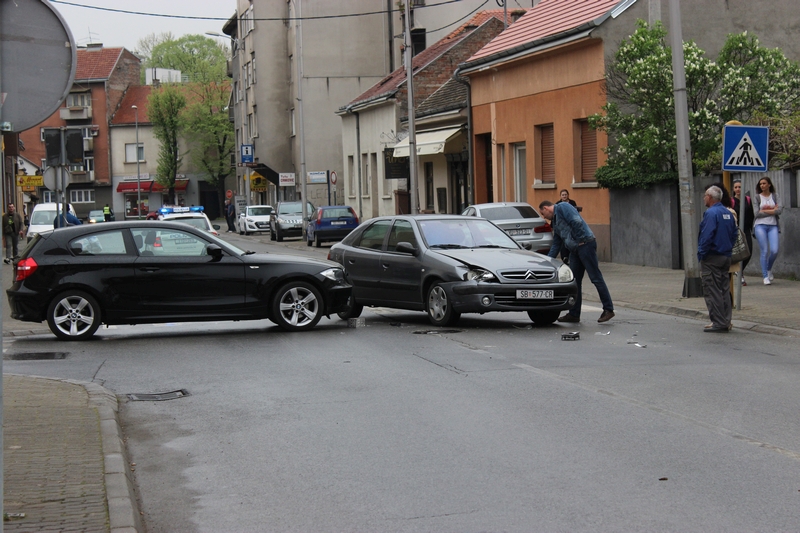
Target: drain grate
{"x": 36, "y": 356}
{"x": 436, "y": 331}
{"x": 158, "y": 397}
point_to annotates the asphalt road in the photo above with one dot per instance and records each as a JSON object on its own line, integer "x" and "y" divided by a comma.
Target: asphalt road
{"x": 644, "y": 424}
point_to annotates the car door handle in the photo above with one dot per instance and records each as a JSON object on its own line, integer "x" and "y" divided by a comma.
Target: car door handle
{"x": 385, "y": 266}
{"x": 149, "y": 269}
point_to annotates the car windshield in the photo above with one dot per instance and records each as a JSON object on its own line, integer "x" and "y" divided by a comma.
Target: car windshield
{"x": 509, "y": 212}
{"x": 293, "y": 208}
{"x": 464, "y": 233}
{"x": 96, "y": 214}
{"x": 259, "y": 211}
{"x": 43, "y": 218}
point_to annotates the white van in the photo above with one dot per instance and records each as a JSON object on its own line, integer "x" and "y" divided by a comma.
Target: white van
{"x": 42, "y": 218}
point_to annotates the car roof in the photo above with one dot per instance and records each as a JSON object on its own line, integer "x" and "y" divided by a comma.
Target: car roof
{"x": 495, "y": 204}
{"x": 74, "y": 231}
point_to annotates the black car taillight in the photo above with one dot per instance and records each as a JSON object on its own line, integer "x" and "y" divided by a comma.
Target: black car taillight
{"x": 547, "y": 228}
{"x": 25, "y": 268}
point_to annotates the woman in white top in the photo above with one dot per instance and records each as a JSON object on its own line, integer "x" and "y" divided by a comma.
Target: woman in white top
{"x": 766, "y": 209}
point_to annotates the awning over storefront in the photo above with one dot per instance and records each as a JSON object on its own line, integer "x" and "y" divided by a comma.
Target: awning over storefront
{"x": 428, "y": 142}
{"x": 180, "y": 185}
{"x": 133, "y": 186}
{"x": 268, "y": 173}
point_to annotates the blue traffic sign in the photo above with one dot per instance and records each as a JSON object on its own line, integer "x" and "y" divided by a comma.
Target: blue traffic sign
{"x": 247, "y": 153}
{"x": 745, "y": 148}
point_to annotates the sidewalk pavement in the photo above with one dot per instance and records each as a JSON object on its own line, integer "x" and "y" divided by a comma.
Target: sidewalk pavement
{"x": 65, "y": 464}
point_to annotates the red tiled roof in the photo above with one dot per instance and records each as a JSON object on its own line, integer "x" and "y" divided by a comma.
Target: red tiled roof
{"x": 96, "y": 63}
{"x": 549, "y": 17}
{"x": 389, "y": 85}
{"x": 135, "y": 95}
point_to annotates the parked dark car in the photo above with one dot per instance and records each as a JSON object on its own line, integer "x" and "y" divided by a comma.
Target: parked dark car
{"x": 447, "y": 265}
{"x": 287, "y": 220}
{"x": 520, "y": 220}
{"x": 330, "y": 223}
{"x": 141, "y": 272}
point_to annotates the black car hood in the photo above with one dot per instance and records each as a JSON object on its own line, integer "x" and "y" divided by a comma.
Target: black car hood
{"x": 494, "y": 258}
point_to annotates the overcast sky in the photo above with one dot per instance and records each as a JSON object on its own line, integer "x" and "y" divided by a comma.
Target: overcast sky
{"x": 122, "y": 29}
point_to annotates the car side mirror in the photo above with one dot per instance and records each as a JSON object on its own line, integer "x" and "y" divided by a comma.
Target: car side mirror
{"x": 215, "y": 226}
{"x": 527, "y": 245}
{"x": 405, "y": 248}
{"x": 214, "y": 251}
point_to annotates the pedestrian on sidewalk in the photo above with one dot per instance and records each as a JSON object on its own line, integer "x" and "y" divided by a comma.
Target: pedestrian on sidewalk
{"x": 570, "y": 230}
{"x": 717, "y": 236}
{"x": 767, "y": 210}
{"x": 564, "y": 195}
{"x": 12, "y": 231}
{"x": 745, "y": 219}
{"x": 230, "y": 215}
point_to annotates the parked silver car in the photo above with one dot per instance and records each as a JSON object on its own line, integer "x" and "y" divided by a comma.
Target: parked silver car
{"x": 520, "y": 220}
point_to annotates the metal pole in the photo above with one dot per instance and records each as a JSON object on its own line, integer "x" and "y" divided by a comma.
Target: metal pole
{"x": 301, "y": 130}
{"x": 412, "y": 135}
{"x": 692, "y": 286}
{"x": 138, "y": 175}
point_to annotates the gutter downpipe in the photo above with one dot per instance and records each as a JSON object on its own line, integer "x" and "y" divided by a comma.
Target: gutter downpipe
{"x": 357, "y": 158}
{"x": 470, "y": 157}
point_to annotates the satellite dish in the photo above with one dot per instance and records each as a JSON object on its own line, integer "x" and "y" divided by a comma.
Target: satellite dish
{"x": 37, "y": 63}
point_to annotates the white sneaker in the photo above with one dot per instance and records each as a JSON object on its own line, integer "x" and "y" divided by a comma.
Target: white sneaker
{"x": 767, "y": 281}
{"x": 769, "y": 274}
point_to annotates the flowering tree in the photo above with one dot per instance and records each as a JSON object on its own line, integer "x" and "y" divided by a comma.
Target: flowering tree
{"x": 746, "y": 81}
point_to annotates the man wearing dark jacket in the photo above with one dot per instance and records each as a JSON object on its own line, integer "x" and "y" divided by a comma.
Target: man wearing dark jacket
{"x": 12, "y": 231}
{"x": 718, "y": 234}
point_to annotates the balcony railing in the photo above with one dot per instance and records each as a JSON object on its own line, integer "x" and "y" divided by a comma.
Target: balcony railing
{"x": 75, "y": 113}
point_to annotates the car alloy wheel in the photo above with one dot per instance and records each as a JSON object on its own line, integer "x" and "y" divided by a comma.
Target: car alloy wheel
{"x": 297, "y": 306}
{"x": 440, "y": 311}
{"x": 73, "y": 316}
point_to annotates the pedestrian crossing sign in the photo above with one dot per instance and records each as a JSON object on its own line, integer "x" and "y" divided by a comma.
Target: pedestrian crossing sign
{"x": 745, "y": 148}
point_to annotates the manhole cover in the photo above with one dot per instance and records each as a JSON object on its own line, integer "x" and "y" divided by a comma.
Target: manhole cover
{"x": 159, "y": 396}
{"x": 436, "y": 331}
{"x": 36, "y": 356}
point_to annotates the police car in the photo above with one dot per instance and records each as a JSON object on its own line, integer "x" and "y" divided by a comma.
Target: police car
{"x": 194, "y": 216}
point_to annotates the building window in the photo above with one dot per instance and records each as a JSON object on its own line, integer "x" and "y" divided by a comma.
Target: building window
{"x": 520, "y": 173}
{"x": 547, "y": 154}
{"x": 81, "y": 196}
{"x": 248, "y": 22}
{"x": 44, "y": 164}
{"x": 252, "y": 123}
{"x": 294, "y": 132}
{"x": 253, "y": 63}
{"x": 417, "y": 40}
{"x": 351, "y": 181}
{"x": 587, "y": 144}
{"x": 49, "y": 196}
{"x": 364, "y": 175}
{"x": 88, "y": 166}
{"x": 429, "y": 185}
{"x": 501, "y": 162}
{"x": 79, "y": 100}
{"x": 130, "y": 152}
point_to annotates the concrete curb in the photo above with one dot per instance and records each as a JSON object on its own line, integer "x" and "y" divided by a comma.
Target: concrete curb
{"x": 123, "y": 509}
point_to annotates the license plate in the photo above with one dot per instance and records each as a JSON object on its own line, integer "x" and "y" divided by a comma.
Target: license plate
{"x": 338, "y": 223}
{"x": 534, "y": 295}
{"x": 525, "y": 231}
{"x": 261, "y": 224}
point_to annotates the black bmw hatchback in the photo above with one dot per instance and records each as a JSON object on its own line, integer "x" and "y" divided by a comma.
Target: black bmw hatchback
{"x": 80, "y": 277}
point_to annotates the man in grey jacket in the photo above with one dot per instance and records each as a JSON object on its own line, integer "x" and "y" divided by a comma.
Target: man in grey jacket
{"x": 570, "y": 230}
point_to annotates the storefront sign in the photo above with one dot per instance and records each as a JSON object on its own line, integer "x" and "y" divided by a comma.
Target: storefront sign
{"x": 395, "y": 168}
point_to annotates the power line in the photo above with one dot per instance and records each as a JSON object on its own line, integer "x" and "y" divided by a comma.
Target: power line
{"x": 278, "y": 19}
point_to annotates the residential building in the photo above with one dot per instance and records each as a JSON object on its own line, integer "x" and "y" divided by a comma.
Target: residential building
{"x": 533, "y": 87}
{"x": 342, "y": 48}
{"x": 102, "y": 76}
{"x": 375, "y": 133}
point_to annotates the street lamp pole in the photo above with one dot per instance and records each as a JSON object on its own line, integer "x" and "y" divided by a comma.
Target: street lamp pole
{"x": 138, "y": 175}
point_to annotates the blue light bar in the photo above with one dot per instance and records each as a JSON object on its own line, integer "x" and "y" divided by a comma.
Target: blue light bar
{"x": 180, "y": 209}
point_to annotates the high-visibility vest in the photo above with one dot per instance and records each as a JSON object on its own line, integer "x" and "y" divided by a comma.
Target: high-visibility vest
{"x": 106, "y": 210}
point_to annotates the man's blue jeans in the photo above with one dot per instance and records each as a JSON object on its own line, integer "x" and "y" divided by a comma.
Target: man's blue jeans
{"x": 583, "y": 260}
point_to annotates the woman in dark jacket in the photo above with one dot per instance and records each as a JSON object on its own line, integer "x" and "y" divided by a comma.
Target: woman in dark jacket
{"x": 746, "y": 216}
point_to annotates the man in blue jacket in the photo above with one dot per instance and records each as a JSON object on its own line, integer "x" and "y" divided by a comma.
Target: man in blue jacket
{"x": 570, "y": 230}
{"x": 717, "y": 236}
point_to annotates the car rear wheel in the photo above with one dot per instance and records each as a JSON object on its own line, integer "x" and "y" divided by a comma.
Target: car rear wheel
{"x": 73, "y": 316}
{"x": 297, "y": 306}
{"x": 543, "y": 318}
{"x": 438, "y": 306}
{"x": 353, "y": 310}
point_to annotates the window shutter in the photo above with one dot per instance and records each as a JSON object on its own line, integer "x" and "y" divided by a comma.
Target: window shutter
{"x": 588, "y": 152}
{"x": 548, "y": 155}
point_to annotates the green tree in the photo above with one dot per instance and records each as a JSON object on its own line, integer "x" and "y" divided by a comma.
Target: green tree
{"x": 746, "y": 81}
{"x": 164, "y": 108}
{"x": 199, "y": 58}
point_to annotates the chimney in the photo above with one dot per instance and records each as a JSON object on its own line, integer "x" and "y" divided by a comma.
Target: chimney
{"x": 516, "y": 15}
{"x": 95, "y": 46}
